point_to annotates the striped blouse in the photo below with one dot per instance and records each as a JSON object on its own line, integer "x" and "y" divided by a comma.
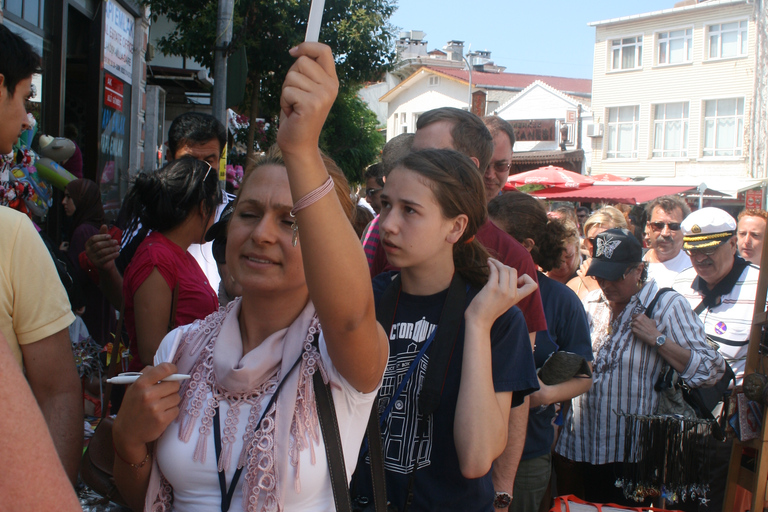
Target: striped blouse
{"x": 626, "y": 369}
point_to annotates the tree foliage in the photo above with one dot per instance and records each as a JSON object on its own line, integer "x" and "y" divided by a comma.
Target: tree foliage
{"x": 358, "y": 32}
{"x": 350, "y": 136}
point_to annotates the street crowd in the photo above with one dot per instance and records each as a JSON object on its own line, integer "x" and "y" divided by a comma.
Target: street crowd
{"x": 491, "y": 346}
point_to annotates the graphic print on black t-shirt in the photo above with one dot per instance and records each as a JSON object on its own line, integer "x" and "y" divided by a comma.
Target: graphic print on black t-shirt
{"x": 403, "y": 420}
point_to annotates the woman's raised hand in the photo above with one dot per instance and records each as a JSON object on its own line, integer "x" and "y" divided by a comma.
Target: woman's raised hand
{"x": 503, "y": 290}
{"x": 309, "y": 91}
{"x": 148, "y": 407}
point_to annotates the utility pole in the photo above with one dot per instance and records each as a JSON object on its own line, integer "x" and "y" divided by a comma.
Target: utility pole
{"x": 221, "y": 47}
{"x": 469, "y": 68}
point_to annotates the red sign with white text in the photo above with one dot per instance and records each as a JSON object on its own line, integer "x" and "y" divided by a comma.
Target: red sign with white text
{"x": 753, "y": 199}
{"x": 113, "y": 92}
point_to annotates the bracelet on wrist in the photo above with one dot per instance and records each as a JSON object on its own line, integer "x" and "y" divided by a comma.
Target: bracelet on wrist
{"x": 134, "y": 466}
{"x": 307, "y": 200}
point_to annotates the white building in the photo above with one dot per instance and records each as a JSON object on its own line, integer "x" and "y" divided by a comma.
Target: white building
{"x": 537, "y": 105}
{"x": 674, "y": 91}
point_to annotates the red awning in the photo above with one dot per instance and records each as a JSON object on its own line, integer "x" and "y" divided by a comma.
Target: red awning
{"x": 626, "y": 194}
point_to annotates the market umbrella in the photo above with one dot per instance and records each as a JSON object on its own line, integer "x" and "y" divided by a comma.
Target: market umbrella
{"x": 551, "y": 176}
{"x": 609, "y": 177}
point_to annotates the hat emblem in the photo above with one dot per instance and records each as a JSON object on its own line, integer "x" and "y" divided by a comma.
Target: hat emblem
{"x": 606, "y": 246}
{"x": 695, "y": 229}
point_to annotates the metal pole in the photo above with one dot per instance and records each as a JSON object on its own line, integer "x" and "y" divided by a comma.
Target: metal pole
{"x": 223, "y": 38}
{"x": 469, "y": 68}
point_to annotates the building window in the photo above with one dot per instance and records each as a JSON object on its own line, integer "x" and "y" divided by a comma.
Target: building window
{"x": 627, "y": 53}
{"x": 676, "y": 46}
{"x": 623, "y": 125}
{"x": 728, "y": 40}
{"x": 670, "y": 130}
{"x": 723, "y": 127}
{"x": 28, "y": 10}
{"x": 434, "y": 81}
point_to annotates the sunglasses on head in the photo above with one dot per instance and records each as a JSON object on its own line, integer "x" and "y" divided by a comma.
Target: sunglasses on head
{"x": 658, "y": 226}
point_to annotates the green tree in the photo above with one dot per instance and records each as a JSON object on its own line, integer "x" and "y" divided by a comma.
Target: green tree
{"x": 350, "y": 136}
{"x": 358, "y": 32}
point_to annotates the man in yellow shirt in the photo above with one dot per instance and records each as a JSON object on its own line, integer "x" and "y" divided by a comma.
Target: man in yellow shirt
{"x": 34, "y": 310}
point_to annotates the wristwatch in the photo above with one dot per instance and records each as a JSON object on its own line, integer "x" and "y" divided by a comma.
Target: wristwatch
{"x": 660, "y": 341}
{"x": 502, "y": 500}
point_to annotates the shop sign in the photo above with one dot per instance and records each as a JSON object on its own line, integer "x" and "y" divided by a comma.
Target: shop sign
{"x": 753, "y": 199}
{"x": 534, "y": 129}
{"x": 113, "y": 92}
{"x": 118, "y": 41}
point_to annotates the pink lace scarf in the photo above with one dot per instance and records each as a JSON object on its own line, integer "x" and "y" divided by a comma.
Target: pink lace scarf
{"x": 211, "y": 351}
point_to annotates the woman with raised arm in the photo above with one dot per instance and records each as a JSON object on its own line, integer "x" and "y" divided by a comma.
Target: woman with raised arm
{"x": 450, "y": 305}
{"x": 247, "y": 433}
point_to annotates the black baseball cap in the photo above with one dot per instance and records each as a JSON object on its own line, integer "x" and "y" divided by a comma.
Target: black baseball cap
{"x": 613, "y": 252}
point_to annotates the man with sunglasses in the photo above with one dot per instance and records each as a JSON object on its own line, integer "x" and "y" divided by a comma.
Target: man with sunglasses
{"x": 374, "y": 184}
{"x": 666, "y": 259}
{"x": 497, "y": 171}
{"x": 721, "y": 289}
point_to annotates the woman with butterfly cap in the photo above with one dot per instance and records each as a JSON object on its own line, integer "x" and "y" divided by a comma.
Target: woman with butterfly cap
{"x": 631, "y": 350}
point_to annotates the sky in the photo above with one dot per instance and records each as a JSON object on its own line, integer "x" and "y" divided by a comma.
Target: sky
{"x": 540, "y": 37}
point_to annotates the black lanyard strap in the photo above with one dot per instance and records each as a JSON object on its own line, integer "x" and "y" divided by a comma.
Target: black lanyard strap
{"x": 226, "y": 495}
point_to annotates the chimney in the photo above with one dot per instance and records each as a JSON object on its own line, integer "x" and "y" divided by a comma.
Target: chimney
{"x": 455, "y": 50}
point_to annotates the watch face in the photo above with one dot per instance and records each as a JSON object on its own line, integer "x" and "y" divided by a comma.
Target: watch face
{"x": 503, "y": 500}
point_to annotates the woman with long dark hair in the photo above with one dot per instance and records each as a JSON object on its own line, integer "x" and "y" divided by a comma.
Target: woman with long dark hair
{"x": 176, "y": 205}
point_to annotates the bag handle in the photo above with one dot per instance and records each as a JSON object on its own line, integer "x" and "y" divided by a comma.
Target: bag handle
{"x": 652, "y": 304}
{"x": 112, "y": 370}
{"x": 174, "y": 304}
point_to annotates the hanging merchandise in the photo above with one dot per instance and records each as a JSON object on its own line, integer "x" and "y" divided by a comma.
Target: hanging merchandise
{"x": 21, "y": 187}
{"x": 667, "y": 457}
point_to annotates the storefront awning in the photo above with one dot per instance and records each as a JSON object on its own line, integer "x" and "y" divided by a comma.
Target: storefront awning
{"x": 613, "y": 194}
{"x": 547, "y": 157}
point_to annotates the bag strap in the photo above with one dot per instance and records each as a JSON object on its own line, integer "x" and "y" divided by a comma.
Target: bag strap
{"x": 174, "y": 305}
{"x": 724, "y": 286}
{"x": 112, "y": 370}
{"x": 652, "y": 304}
{"x": 376, "y": 453}
{"x": 447, "y": 329}
{"x": 331, "y": 438}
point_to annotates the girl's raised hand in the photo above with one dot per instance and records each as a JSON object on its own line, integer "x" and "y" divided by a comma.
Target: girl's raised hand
{"x": 503, "y": 290}
{"x": 309, "y": 91}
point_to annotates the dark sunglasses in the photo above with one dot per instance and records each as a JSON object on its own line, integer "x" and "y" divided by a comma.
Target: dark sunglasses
{"x": 658, "y": 226}
{"x": 371, "y": 191}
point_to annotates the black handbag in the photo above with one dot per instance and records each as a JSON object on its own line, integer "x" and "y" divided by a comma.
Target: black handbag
{"x": 700, "y": 400}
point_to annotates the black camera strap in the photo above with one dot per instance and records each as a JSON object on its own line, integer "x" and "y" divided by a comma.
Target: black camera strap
{"x": 441, "y": 351}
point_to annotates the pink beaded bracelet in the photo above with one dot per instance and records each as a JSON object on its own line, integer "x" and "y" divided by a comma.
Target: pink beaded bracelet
{"x": 308, "y": 200}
